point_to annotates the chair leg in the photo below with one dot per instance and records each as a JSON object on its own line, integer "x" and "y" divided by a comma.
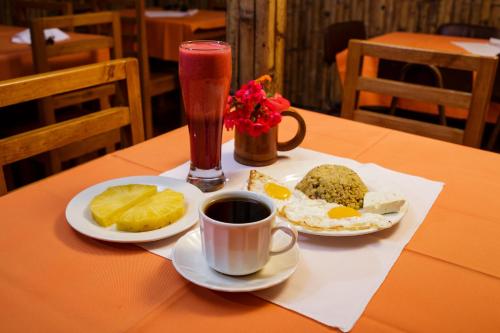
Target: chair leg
{"x": 3, "y": 185}
{"x": 104, "y": 102}
{"x": 46, "y": 112}
{"x": 55, "y": 163}
{"x": 442, "y": 115}
{"x": 110, "y": 146}
{"x": 47, "y": 116}
{"x": 328, "y": 102}
{"x": 394, "y": 104}
{"x": 8, "y": 176}
{"x": 148, "y": 116}
{"x": 494, "y": 135}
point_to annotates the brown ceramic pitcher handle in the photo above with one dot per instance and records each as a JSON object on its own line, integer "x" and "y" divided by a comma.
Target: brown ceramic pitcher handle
{"x": 299, "y": 136}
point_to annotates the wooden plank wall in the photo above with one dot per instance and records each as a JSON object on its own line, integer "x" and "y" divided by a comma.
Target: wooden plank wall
{"x": 305, "y": 73}
{"x": 256, "y": 32}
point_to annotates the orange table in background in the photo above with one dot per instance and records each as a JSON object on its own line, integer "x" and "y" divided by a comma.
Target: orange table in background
{"x": 16, "y": 59}
{"x": 165, "y": 34}
{"x": 416, "y": 40}
{"x": 447, "y": 279}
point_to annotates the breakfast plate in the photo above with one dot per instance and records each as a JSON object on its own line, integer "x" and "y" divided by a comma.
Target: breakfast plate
{"x": 79, "y": 216}
{"x": 189, "y": 261}
{"x": 289, "y": 173}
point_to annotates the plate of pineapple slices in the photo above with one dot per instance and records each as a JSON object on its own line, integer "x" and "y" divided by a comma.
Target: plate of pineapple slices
{"x": 135, "y": 209}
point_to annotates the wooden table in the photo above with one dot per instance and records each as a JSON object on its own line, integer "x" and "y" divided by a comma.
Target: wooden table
{"x": 447, "y": 279}
{"x": 166, "y": 34}
{"x": 16, "y": 59}
{"x": 416, "y": 40}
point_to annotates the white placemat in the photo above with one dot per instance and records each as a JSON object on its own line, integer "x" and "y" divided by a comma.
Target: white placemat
{"x": 24, "y": 36}
{"x": 337, "y": 276}
{"x": 170, "y": 13}
{"x": 483, "y": 49}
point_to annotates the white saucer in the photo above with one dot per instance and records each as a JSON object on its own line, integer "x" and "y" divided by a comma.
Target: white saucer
{"x": 189, "y": 261}
{"x": 79, "y": 217}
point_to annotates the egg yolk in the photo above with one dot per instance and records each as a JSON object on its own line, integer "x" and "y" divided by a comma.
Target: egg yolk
{"x": 342, "y": 212}
{"x": 277, "y": 191}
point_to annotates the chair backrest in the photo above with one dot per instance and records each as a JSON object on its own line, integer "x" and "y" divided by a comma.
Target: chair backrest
{"x": 476, "y": 102}
{"x": 134, "y": 32}
{"x": 26, "y": 10}
{"x": 44, "y": 139}
{"x": 42, "y": 51}
{"x": 467, "y": 30}
{"x": 337, "y": 36}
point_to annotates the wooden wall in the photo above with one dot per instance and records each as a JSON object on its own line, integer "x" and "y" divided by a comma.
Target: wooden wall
{"x": 305, "y": 73}
{"x": 256, "y": 32}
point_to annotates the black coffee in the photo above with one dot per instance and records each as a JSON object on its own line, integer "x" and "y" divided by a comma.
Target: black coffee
{"x": 237, "y": 210}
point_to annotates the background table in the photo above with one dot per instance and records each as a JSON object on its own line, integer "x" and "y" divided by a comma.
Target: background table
{"x": 165, "y": 34}
{"x": 447, "y": 279}
{"x": 16, "y": 59}
{"x": 422, "y": 41}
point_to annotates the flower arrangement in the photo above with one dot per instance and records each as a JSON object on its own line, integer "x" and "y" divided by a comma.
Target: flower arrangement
{"x": 255, "y": 109}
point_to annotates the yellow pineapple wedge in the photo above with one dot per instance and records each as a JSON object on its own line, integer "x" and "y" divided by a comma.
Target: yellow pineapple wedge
{"x": 153, "y": 213}
{"x": 117, "y": 199}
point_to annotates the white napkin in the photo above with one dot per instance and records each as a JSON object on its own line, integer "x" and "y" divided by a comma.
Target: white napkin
{"x": 336, "y": 276}
{"x": 494, "y": 41}
{"x": 170, "y": 13}
{"x": 24, "y": 36}
{"x": 483, "y": 49}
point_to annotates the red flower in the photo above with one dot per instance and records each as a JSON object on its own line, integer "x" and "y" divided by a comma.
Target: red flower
{"x": 277, "y": 103}
{"x": 251, "y": 111}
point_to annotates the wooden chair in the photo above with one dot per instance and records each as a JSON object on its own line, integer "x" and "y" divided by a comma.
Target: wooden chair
{"x": 468, "y": 30}
{"x": 26, "y": 10}
{"x": 153, "y": 83}
{"x": 54, "y": 136}
{"x": 43, "y": 52}
{"x": 476, "y": 102}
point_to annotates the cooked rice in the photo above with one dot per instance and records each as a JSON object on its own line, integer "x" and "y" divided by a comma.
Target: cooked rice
{"x": 334, "y": 183}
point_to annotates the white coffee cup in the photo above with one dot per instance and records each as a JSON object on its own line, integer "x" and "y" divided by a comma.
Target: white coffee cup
{"x": 241, "y": 248}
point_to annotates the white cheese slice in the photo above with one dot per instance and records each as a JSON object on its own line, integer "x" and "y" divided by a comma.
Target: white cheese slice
{"x": 382, "y": 202}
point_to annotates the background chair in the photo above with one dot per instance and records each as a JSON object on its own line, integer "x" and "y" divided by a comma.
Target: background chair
{"x": 43, "y": 52}
{"x": 467, "y": 30}
{"x": 336, "y": 39}
{"x": 428, "y": 75}
{"x": 476, "y": 102}
{"x": 20, "y": 146}
{"x": 26, "y": 10}
{"x": 153, "y": 82}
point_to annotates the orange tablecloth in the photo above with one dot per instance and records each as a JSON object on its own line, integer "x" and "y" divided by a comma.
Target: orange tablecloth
{"x": 165, "y": 34}
{"x": 423, "y": 41}
{"x": 447, "y": 279}
{"x": 16, "y": 59}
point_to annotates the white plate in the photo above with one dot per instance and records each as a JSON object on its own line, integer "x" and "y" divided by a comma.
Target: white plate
{"x": 79, "y": 217}
{"x": 290, "y": 173}
{"x": 189, "y": 261}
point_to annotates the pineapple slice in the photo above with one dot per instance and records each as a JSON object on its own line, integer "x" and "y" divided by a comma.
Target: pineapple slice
{"x": 116, "y": 200}
{"x": 153, "y": 213}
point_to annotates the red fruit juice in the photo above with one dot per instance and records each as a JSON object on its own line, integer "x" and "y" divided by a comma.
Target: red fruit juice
{"x": 205, "y": 75}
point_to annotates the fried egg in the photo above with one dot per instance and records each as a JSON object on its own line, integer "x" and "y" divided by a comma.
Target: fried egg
{"x": 318, "y": 214}
{"x": 272, "y": 188}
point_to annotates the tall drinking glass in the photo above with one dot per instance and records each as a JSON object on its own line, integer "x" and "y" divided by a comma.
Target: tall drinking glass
{"x": 205, "y": 75}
